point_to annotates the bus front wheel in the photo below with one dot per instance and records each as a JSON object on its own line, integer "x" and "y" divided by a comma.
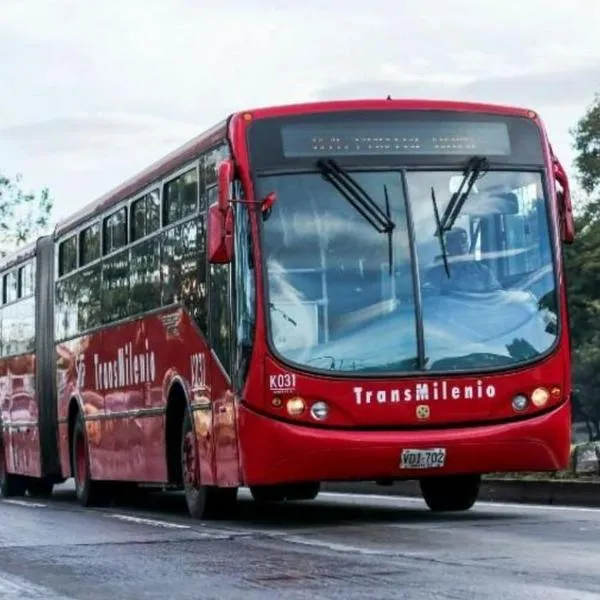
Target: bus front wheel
{"x": 450, "y": 493}
{"x": 267, "y": 494}
{"x": 203, "y": 502}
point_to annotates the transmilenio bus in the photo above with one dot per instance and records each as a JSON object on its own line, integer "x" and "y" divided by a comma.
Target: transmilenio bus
{"x": 353, "y": 290}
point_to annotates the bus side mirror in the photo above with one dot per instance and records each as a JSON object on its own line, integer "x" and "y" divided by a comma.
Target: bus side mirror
{"x": 220, "y": 218}
{"x": 565, "y": 204}
{"x": 224, "y": 182}
{"x": 220, "y": 234}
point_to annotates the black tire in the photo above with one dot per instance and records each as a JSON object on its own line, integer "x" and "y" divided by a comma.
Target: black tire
{"x": 452, "y": 493}
{"x": 203, "y": 502}
{"x": 87, "y": 491}
{"x": 303, "y": 491}
{"x": 267, "y": 494}
{"x": 40, "y": 488}
{"x": 11, "y": 485}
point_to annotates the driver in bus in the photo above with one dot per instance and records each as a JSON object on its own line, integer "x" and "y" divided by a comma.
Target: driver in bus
{"x": 466, "y": 273}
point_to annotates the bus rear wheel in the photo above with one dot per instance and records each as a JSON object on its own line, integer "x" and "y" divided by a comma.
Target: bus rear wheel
{"x": 88, "y": 492}
{"x": 40, "y": 488}
{"x": 203, "y": 502}
{"x": 10, "y": 485}
{"x": 451, "y": 493}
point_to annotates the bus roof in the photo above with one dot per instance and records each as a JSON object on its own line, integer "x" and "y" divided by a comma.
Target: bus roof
{"x": 204, "y": 140}
{"x": 18, "y": 256}
{"x": 144, "y": 178}
{"x": 379, "y": 104}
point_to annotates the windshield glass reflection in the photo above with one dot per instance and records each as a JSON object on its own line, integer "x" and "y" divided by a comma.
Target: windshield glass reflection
{"x": 337, "y": 302}
{"x": 496, "y": 304}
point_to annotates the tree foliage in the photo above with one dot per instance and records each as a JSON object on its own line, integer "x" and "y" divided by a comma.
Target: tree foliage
{"x": 23, "y": 215}
{"x": 587, "y": 146}
{"x": 583, "y": 274}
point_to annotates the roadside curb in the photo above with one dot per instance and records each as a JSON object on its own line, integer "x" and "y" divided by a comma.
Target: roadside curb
{"x": 544, "y": 492}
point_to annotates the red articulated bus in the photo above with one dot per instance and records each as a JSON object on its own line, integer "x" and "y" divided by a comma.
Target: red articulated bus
{"x": 336, "y": 291}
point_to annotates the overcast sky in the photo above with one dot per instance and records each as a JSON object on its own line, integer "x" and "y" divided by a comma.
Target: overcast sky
{"x": 91, "y": 92}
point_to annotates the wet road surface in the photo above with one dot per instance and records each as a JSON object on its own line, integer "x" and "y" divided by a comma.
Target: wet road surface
{"x": 346, "y": 547}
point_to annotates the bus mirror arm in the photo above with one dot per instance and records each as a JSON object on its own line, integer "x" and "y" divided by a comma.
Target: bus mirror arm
{"x": 565, "y": 203}
{"x": 225, "y": 197}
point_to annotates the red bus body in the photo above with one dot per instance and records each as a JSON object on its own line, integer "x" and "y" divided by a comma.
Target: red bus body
{"x": 133, "y": 321}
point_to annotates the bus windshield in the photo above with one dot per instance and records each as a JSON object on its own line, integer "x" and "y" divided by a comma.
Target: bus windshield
{"x": 344, "y": 296}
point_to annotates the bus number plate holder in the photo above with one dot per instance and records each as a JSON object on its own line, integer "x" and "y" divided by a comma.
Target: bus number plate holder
{"x": 431, "y": 458}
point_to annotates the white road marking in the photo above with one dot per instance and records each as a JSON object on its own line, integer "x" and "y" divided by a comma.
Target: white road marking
{"x": 151, "y": 522}
{"x": 380, "y": 499}
{"x": 16, "y": 588}
{"x": 338, "y": 547}
{"x": 24, "y": 503}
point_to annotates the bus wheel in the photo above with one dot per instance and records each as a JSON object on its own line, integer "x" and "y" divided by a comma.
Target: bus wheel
{"x": 267, "y": 494}
{"x": 88, "y": 492}
{"x": 10, "y": 485}
{"x": 40, "y": 488}
{"x": 450, "y": 493}
{"x": 202, "y": 501}
{"x": 303, "y": 491}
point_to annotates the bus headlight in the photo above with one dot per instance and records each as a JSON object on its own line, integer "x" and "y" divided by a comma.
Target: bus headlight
{"x": 295, "y": 406}
{"x": 319, "y": 411}
{"x": 540, "y": 396}
{"x": 519, "y": 402}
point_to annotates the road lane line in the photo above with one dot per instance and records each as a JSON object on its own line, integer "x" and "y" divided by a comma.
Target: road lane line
{"x": 17, "y": 588}
{"x": 151, "y": 522}
{"x": 24, "y": 503}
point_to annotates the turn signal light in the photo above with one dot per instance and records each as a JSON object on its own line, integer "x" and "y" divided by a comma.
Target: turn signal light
{"x": 295, "y": 406}
{"x": 540, "y": 397}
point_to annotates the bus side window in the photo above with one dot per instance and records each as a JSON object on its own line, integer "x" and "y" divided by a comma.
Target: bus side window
{"x": 115, "y": 267}
{"x": 144, "y": 276}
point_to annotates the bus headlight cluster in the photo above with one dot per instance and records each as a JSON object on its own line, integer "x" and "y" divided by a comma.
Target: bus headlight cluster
{"x": 539, "y": 398}
{"x": 296, "y": 407}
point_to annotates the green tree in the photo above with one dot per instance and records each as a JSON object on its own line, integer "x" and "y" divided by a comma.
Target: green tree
{"x": 586, "y": 136}
{"x": 583, "y": 273}
{"x": 23, "y": 215}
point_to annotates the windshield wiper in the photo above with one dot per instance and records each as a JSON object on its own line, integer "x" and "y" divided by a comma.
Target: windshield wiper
{"x": 356, "y": 195}
{"x": 390, "y": 242}
{"x": 439, "y": 232}
{"x": 476, "y": 167}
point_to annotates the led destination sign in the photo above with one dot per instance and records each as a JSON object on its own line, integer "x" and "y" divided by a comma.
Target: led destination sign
{"x": 395, "y": 138}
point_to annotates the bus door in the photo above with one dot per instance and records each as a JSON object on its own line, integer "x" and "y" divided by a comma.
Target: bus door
{"x": 225, "y": 449}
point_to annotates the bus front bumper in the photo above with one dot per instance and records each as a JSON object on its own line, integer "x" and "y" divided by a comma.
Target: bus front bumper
{"x": 276, "y": 452}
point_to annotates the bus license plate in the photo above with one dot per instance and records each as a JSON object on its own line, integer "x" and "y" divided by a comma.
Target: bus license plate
{"x": 433, "y": 458}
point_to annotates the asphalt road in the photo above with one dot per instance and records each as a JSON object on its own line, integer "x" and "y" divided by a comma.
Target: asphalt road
{"x": 338, "y": 546}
